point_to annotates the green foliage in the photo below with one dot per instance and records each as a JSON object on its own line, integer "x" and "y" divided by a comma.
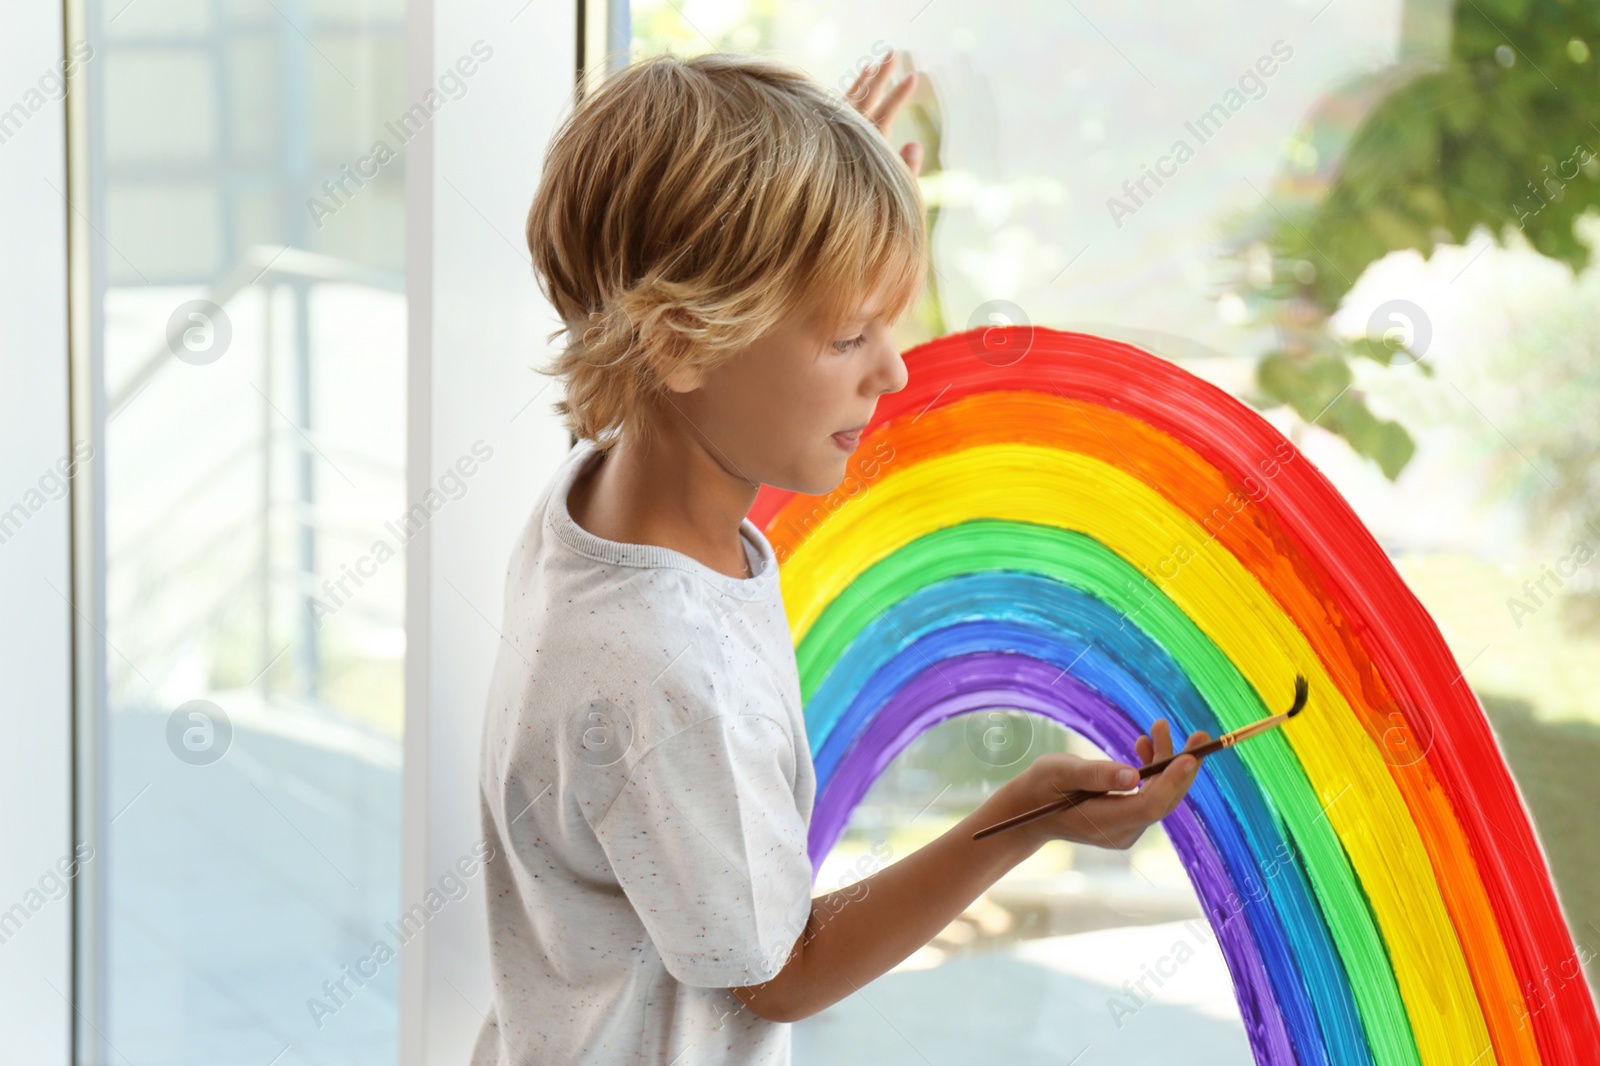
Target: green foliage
{"x": 1499, "y": 136}
{"x": 1318, "y": 388}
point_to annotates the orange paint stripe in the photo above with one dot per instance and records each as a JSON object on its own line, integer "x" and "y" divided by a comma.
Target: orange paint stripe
{"x": 1249, "y": 532}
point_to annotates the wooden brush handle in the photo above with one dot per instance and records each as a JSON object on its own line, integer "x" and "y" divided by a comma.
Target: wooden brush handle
{"x": 1069, "y": 800}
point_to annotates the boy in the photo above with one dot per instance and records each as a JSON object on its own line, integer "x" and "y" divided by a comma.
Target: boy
{"x": 728, "y": 247}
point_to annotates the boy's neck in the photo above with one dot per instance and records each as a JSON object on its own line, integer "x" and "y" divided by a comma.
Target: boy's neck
{"x": 674, "y": 494}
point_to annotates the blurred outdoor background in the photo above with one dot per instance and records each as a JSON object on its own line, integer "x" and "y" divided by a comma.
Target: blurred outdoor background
{"x": 251, "y": 323}
{"x": 1386, "y": 249}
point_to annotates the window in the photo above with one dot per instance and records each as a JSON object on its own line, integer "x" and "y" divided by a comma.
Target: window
{"x": 1170, "y": 181}
{"x": 243, "y": 181}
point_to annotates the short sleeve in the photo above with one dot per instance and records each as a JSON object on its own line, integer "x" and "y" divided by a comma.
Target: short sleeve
{"x": 707, "y": 842}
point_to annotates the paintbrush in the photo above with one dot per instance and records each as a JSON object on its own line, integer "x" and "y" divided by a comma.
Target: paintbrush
{"x": 1069, "y": 800}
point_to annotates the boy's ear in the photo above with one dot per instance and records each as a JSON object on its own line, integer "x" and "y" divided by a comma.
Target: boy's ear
{"x": 671, "y": 364}
{"x": 683, "y": 378}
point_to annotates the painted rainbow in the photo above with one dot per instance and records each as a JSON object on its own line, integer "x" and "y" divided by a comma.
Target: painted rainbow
{"x": 1067, "y": 525}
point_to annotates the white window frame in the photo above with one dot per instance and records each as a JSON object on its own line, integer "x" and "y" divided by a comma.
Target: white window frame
{"x": 36, "y": 561}
{"x": 477, "y": 325}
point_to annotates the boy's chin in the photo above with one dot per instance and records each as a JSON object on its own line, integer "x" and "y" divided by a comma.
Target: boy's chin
{"x": 815, "y": 479}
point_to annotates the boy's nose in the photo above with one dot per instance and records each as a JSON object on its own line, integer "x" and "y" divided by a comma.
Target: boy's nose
{"x": 897, "y": 375}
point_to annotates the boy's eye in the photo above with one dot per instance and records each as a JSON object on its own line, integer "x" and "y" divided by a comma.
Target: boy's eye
{"x": 845, "y": 346}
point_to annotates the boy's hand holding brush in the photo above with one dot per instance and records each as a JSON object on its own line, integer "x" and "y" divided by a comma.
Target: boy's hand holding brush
{"x": 1089, "y": 800}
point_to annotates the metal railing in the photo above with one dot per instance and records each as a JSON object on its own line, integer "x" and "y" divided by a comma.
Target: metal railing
{"x": 184, "y": 590}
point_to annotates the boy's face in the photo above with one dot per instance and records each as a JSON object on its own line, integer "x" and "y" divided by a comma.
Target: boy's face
{"x": 771, "y": 413}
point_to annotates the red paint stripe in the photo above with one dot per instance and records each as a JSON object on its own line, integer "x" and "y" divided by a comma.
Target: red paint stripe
{"x": 1313, "y": 522}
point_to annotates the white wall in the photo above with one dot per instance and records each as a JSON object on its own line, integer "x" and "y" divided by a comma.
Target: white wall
{"x": 35, "y": 630}
{"x": 478, "y": 325}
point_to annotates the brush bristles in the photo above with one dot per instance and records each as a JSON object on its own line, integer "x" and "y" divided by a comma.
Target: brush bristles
{"x": 1301, "y": 691}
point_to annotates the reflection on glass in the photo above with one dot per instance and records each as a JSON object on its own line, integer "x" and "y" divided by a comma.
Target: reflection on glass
{"x": 250, "y": 321}
{"x": 1372, "y": 220}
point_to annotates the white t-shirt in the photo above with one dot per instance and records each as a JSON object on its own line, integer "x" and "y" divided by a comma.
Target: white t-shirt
{"x": 646, "y": 785}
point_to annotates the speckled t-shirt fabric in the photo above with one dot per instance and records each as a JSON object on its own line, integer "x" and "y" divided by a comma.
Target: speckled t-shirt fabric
{"x": 646, "y": 785}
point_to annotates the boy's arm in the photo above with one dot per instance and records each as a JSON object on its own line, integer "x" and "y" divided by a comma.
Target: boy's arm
{"x": 860, "y": 932}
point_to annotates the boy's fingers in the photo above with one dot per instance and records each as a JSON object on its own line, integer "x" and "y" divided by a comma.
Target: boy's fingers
{"x": 867, "y": 94}
{"x": 855, "y": 86}
{"x": 896, "y": 100}
{"x": 868, "y": 74}
{"x": 1168, "y": 788}
{"x": 1159, "y": 795}
{"x": 912, "y": 154}
{"x": 869, "y": 84}
{"x": 1104, "y": 776}
{"x": 1160, "y": 739}
{"x": 1180, "y": 767}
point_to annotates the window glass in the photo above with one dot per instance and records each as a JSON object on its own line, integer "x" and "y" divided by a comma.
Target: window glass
{"x": 1370, "y": 220}
{"x": 249, "y": 329}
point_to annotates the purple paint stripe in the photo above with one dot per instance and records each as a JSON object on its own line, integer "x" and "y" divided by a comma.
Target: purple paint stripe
{"x": 992, "y": 681}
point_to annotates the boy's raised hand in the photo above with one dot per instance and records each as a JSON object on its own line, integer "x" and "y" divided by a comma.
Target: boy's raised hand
{"x": 866, "y": 94}
{"x": 1106, "y": 821}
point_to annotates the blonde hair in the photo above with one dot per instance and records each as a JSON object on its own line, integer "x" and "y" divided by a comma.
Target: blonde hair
{"x": 690, "y": 206}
